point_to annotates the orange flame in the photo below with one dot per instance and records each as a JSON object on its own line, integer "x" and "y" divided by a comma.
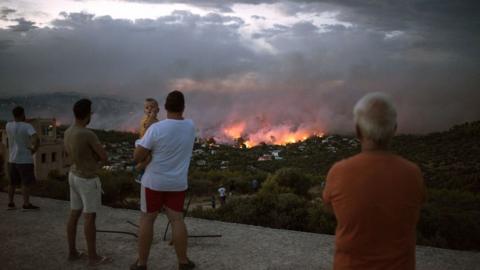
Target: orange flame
{"x": 235, "y": 131}
{"x": 280, "y": 135}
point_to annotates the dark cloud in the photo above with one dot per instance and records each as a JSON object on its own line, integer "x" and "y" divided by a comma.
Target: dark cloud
{"x": 22, "y": 25}
{"x": 5, "y": 12}
{"x": 103, "y": 54}
{"x": 306, "y": 75}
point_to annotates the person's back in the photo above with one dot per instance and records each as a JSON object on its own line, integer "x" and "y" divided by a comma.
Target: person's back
{"x": 79, "y": 142}
{"x": 19, "y": 137}
{"x": 171, "y": 142}
{"x": 23, "y": 142}
{"x": 85, "y": 152}
{"x": 376, "y": 197}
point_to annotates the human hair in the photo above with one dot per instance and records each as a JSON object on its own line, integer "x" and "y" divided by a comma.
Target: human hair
{"x": 376, "y": 117}
{"x": 152, "y": 100}
{"x": 18, "y": 112}
{"x": 175, "y": 102}
{"x": 82, "y": 108}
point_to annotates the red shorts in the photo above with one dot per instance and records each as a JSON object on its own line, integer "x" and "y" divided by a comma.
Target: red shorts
{"x": 154, "y": 201}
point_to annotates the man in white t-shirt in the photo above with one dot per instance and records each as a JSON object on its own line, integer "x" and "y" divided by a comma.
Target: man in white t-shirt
{"x": 23, "y": 142}
{"x": 170, "y": 143}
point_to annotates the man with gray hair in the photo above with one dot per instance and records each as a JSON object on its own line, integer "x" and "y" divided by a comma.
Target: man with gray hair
{"x": 375, "y": 195}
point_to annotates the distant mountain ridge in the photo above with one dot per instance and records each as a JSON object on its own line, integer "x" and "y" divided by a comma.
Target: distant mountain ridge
{"x": 109, "y": 112}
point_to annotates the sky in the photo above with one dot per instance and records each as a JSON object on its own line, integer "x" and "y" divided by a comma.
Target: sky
{"x": 264, "y": 65}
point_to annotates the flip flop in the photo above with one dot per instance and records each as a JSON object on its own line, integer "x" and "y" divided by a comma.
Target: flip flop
{"x": 102, "y": 260}
{"x": 78, "y": 256}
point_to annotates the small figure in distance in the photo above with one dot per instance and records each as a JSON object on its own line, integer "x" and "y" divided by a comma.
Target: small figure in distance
{"x": 375, "y": 195}
{"x": 255, "y": 185}
{"x": 223, "y": 195}
{"x": 213, "y": 200}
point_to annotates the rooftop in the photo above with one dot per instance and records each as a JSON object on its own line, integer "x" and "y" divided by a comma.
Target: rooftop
{"x": 37, "y": 238}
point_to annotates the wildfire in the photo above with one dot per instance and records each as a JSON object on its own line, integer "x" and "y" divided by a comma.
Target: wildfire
{"x": 235, "y": 131}
{"x": 281, "y": 134}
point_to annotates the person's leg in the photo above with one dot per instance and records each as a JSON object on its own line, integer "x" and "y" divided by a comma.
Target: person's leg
{"x": 72, "y": 232}
{"x": 90, "y": 236}
{"x": 27, "y": 175}
{"x": 26, "y": 194}
{"x": 76, "y": 207}
{"x": 91, "y": 196}
{"x": 14, "y": 181}
{"x": 11, "y": 194}
{"x": 147, "y": 221}
{"x": 179, "y": 234}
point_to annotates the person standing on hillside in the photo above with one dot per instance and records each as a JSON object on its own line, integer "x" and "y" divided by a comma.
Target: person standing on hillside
{"x": 23, "y": 142}
{"x": 170, "y": 142}
{"x": 86, "y": 153}
{"x": 223, "y": 195}
{"x": 375, "y": 195}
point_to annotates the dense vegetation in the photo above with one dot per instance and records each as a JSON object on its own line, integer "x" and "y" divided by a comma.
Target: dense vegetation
{"x": 289, "y": 196}
{"x": 449, "y": 160}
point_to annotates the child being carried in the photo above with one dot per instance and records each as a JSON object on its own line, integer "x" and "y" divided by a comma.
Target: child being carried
{"x": 150, "y": 110}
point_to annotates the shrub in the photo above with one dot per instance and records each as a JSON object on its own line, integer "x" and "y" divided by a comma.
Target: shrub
{"x": 51, "y": 188}
{"x": 287, "y": 180}
{"x": 450, "y": 219}
{"x": 118, "y": 187}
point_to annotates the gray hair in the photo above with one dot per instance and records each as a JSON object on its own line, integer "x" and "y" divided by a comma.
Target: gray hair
{"x": 376, "y": 117}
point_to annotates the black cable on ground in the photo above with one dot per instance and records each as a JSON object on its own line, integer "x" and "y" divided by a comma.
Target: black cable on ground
{"x": 120, "y": 232}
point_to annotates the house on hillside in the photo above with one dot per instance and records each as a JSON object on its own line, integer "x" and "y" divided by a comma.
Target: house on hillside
{"x": 265, "y": 157}
{"x": 276, "y": 154}
{"x": 50, "y": 156}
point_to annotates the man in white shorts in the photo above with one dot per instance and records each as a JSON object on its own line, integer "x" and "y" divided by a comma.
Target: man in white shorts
{"x": 86, "y": 153}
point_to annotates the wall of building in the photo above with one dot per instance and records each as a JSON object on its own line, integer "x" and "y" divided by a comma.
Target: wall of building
{"x": 50, "y": 158}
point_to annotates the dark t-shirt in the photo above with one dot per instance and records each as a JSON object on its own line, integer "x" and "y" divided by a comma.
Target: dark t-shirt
{"x": 79, "y": 143}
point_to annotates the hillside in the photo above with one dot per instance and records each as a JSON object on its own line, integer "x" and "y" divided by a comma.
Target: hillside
{"x": 450, "y": 161}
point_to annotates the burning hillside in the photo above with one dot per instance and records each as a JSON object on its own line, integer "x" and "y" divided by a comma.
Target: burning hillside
{"x": 269, "y": 134}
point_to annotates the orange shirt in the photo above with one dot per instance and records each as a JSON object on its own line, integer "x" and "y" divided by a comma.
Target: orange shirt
{"x": 376, "y": 198}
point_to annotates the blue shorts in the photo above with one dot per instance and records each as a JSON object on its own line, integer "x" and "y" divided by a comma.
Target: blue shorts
{"x": 21, "y": 174}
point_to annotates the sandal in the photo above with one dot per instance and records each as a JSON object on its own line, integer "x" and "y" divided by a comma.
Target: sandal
{"x": 30, "y": 207}
{"x": 102, "y": 260}
{"x": 135, "y": 266}
{"x": 186, "y": 266}
{"x": 78, "y": 256}
{"x": 11, "y": 206}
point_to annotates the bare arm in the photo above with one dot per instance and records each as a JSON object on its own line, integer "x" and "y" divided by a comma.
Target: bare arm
{"x": 100, "y": 151}
{"x": 34, "y": 143}
{"x": 140, "y": 154}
